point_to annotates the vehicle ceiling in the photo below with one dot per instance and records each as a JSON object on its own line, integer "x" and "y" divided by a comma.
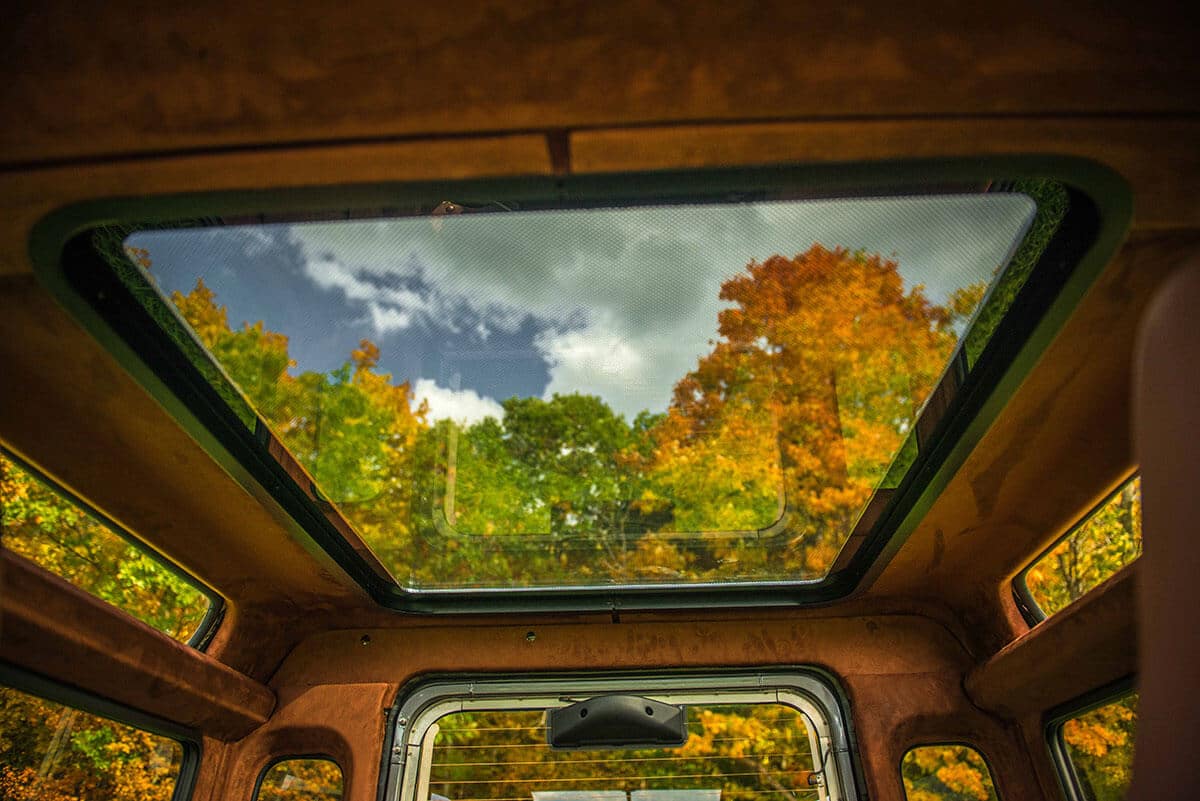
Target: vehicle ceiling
{"x": 125, "y": 103}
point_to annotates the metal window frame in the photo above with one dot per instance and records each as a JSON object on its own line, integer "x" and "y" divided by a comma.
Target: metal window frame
{"x": 812, "y": 692}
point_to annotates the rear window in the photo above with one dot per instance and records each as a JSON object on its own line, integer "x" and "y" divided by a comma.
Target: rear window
{"x": 1105, "y": 541}
{"x": 625, "y": 738}
{"x": 52, "y": 752}
{"x": 63, "y": 537}
{"x": 738, "y": 751}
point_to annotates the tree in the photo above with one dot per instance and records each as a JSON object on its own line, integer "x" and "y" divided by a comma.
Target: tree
{"x": 946, "y": 773}
{"x": 1106, "y": 541}
{"x": 823, "y": 364}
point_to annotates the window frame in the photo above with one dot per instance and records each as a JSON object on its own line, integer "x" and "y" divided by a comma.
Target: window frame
{"x": 1086, "y": 237}
{"x": 1056, "y": 719}
{"x": 262, "y": 774}
{"x": 948, "y": 743}
{"x": 811, "y": 691}
{"x": 189, "y": 739}
{"x": 1027, "y": 605}
{"x": 206, "y": 629}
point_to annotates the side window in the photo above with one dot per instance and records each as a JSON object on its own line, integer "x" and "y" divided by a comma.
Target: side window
{"x": 301, "y": 779}
{"x": 1098, "y": 745}
{"x": 1097, "y": 547}
{"x": 60, "y": 536}
{"x": 946, "y": 773}
{"x": 52, "y": 752}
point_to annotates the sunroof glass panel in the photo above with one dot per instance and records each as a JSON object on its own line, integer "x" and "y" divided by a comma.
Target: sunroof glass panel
{"x": 595, "y": 397}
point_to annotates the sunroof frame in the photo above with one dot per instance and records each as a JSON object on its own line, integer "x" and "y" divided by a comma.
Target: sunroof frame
{"x": 1087, "y": 236}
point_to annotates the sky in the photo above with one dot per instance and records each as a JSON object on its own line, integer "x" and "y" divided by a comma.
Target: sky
{"x": 477, "y": 307}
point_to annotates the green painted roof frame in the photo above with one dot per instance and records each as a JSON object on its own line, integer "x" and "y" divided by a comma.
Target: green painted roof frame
{"x": 1063, "y": 264}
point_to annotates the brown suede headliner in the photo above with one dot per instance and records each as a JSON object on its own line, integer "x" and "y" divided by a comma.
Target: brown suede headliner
{"x": 217, "y": 97}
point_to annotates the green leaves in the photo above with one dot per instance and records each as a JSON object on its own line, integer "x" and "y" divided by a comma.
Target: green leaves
{"x": 49, "y": 530}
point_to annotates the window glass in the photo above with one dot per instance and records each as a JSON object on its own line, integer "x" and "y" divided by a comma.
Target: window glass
{"x": 735, "y": 752}
{"x": 1099, "y": 745}
{"x": 301, "y": 780}
{"x": 946, "y": 773}
{"x": 502, "y": 398}
{"x": 51, "y": 752}
{"x": 48, "y": 529}
{"x": 1104, "y": 542}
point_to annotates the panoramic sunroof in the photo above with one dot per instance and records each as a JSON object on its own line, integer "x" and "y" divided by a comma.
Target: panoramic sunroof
{"x": 494, "y": 398}
{"x": 710, "y": 387}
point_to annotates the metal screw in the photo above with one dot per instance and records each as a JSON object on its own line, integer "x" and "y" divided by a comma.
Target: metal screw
{"x": 402, "y": 722}
{"x": 366, "y": 640}
{"x": 530, "y": 636}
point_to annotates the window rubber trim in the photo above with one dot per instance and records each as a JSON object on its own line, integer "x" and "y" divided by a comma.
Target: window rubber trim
{"x": 189, "y": 739}
{"x": 1087, "y": 236}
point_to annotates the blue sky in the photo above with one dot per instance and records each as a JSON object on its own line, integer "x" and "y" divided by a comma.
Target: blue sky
{"x": 475, "y": 308}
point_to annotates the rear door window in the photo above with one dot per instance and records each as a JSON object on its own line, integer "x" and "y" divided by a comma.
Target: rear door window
{"x": 681, "y": 738}
{"x": 738, "y": 751}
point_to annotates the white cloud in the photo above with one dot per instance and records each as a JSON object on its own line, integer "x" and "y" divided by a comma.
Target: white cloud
{"x": 627, "y": 299}
{"x": 385, "y": 319}
{"x": 630, "y": 375}
{"x": 461, "y": 405}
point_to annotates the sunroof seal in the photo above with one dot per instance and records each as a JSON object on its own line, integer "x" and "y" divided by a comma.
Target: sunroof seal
{"x": 1087, "y": 236}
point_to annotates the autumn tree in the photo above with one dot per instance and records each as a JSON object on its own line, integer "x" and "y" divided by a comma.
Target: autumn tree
{"x": 823, "y": 363}
{"x": 946, "y": 773}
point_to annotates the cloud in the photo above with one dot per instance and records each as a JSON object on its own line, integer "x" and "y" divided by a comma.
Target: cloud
{"x": 624, "y": 301}
{"x": 461, "y": 405}
{"x": 389, "y": 308}
{"x": 631, "y": 375}
{"x": 385, "y": 319}
{"x": 600, "y": 362}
